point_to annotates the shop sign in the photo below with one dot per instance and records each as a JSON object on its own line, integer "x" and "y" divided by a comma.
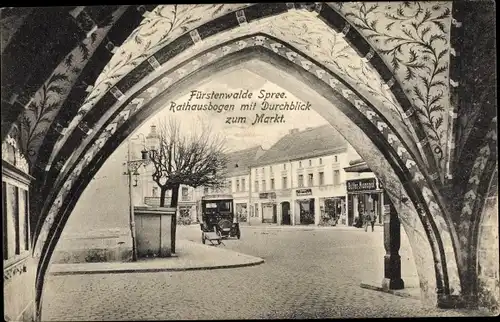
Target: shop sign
{"x": 303, "y": 192}
{"x": 267, "y": 195}
{"x": 361, "y": 184}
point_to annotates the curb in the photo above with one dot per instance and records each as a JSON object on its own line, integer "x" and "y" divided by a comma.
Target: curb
{"x": 400, "y": 293}
{"x": 154, "y": 270}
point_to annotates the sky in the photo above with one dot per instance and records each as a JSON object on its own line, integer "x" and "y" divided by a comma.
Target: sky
{"x": 241, "y": 135}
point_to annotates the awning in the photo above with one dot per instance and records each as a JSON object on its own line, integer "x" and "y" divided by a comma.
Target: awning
{"x": 358, "y": 167}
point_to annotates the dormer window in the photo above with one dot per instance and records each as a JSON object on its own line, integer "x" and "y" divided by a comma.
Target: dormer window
{"x": 236, "y": 165}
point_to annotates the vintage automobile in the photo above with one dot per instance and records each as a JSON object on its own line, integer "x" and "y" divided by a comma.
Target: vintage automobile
{"x": 218, "y": 220}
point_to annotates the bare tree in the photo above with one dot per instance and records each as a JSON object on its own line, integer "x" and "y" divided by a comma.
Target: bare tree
{"x": 194, "y": 159}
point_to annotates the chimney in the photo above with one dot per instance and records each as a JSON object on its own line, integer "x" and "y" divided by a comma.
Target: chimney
{"x": 293, "y": 131}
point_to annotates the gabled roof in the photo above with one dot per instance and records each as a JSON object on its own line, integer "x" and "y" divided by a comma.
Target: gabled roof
{"x": 239, "y": 162}
{"x": 311, "y": 142}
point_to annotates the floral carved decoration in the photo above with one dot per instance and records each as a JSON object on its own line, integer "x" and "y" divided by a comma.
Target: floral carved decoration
{"x": 163, "y": 24}
{"x": 47, "y": 101}
{"x": 413, "y": 39}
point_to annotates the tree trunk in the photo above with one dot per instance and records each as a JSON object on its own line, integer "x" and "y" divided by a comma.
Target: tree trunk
{"x": 163, "y": 192}
{"x": 173, "y": 204}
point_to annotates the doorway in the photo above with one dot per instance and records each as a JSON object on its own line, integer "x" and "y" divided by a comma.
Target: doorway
{"x": 285, "y": 213}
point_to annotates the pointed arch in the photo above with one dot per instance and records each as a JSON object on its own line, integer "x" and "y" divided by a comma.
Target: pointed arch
{"x": 424, "y": 210}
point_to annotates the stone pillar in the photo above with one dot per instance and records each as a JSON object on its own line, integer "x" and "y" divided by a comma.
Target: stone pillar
{"x": 392, "y": 241}
{"x": 317, "y": 212}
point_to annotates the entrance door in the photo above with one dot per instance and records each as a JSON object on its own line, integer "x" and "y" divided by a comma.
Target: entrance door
{"x": 285, "y": 213}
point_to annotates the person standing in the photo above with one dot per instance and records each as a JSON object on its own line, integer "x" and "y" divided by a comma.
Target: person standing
{"x": 370, "y": 218}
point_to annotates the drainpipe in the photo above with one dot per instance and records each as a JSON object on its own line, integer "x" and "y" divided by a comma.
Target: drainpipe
{"x": 292, "y": 203}
{"x": 249, "y": 195}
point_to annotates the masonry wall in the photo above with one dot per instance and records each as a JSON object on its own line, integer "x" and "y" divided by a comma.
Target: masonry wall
{"x": 98, "y": 228}
{"x": 487, "y": 256}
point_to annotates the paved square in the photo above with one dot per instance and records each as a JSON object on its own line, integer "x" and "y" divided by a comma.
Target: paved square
{"x": 308, "y": 273}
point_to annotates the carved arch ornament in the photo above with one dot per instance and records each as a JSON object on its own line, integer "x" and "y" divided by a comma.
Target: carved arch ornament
{"x": 430, "y": 22}
{"x": 432, "y": 217}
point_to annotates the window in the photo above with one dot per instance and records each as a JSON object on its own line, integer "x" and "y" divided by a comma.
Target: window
{"x": 155, "y": 191}
{"x": 15, "y": 220}
{"x": 284, "y": 183}
{"x": 256, "y": 186}
{"x": 237, "y": 185}
{"x": 262, "y": 170}
{"x": 263, "y": 185}
{"x": 205, "y": 190}
{"x": 336, "y": 177}
{"x": 320, "y": 161}
{"x": 336, "y": 160}
{"x": 310, "y": 162}
{"x": 301, "y": 180}
{"x": 300, "y": 164}
{"x": 321, "y": 178}
{"x": 243, "y": 185}
{"x": 271, "y": 168}
{"x": 311, "y": 180}
{"x": 185, "y": 193}
{"x": 272, "y": 184}
{"x": 284, "y": 166}
{"x": 5, "y": 221}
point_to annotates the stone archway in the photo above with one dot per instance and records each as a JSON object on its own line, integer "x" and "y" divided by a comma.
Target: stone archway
{"x": 359, "y": 118}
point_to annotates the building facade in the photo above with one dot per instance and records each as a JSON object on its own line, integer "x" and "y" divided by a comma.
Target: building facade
{"x": 301, "y": 180}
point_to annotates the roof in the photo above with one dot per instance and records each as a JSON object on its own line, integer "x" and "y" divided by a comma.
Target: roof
{"x": 312, "y": 142}
{"x": 239, "y": 162}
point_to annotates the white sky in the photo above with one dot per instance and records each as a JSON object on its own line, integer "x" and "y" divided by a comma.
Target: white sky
{"x": 239, "y": 136}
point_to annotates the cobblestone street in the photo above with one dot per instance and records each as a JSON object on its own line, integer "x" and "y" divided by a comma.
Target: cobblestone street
{"x": 308, "y": 273}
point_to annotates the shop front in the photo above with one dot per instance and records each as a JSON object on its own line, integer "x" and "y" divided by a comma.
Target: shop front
{"x": 269, "y": 207}
{"x": 332, "y": 210}
{"x": 363, "y": 196}
{"x": 241, "y": 211}
{"x": 305, "y": 207}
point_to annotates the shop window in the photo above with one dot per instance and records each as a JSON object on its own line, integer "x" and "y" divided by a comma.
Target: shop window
{"x": 263, "y": 185}
{"x": 321, "y": 178}
{"x": 301, "y": 180}
{"x": 237, "y": 185}
{"x": 336, "y": 177}
{"x": 272, "y": 184}
{"x": 256, "y": 186}
{"x": 284, "y": 183}
{"x": 243, "y": 185}
{"x": 310, "y": 180}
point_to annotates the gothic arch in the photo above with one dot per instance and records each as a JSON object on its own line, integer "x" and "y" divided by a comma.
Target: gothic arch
{"x": 424, "y": 211}
{"x": 335, "y": 19}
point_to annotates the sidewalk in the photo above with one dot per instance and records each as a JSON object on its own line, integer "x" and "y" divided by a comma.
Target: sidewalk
{"x": 189, "y": 256}
{"x": 305, "y": 227}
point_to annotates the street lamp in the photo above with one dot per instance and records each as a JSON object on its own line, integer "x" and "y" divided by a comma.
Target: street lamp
{"x": 132, "y": 167}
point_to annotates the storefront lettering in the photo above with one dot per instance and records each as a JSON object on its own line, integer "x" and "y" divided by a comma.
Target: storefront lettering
{"x": 267, "y": 195}
{"x": 361, "y": 185}
{"x": 303, "y": 192}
